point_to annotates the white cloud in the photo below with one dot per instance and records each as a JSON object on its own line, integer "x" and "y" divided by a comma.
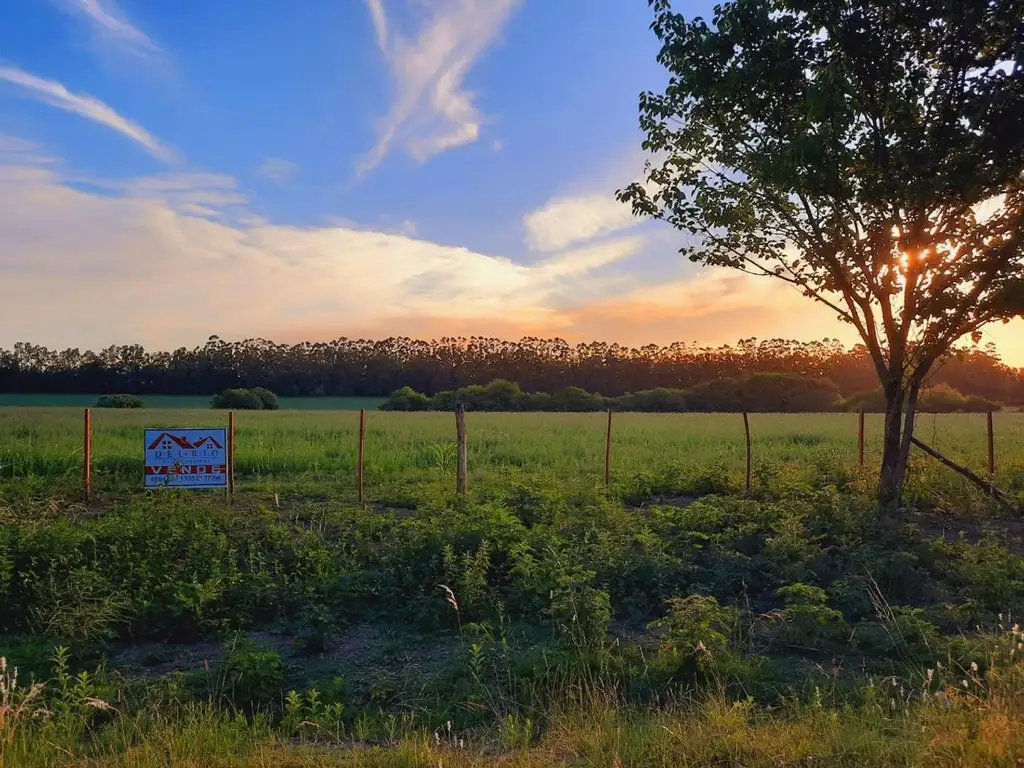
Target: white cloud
{"x": 565, "y": 221}
{"x": 276, "y": 169}
{"x": 111, "y": 26}
{"x": 432, "y": 111}
{"x": 380, "y": 22}
{"x": 169, "y": 260}
{"x": 57, "y": 95}
{"x": 585, "y": 259}
{"x": 163, "y": 260}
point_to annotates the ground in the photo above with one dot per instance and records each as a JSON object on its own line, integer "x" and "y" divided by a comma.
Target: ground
{"x": 669, "y": 618}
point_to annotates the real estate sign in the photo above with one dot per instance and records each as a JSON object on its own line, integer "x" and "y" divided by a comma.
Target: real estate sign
{"x": 187, "y": 458}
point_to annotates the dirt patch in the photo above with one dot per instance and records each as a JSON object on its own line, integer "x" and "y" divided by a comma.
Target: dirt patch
{"x": 158, "y": 659}
{"x": 399, "y": 513}
{"x": 1009, "y": 530}
{"x": 681, "y": 502}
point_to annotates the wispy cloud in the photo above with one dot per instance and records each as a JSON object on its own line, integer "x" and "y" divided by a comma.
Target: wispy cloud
{"x": 57, "y": 95}
{"x": 565, "y": 221}
{"x": 432, "y": 111}
{"x": 111, "y": 26}
{"x": 276, "y": 169}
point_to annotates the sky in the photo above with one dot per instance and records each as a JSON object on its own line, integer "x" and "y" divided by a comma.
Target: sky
{"x": 359, "y": 168}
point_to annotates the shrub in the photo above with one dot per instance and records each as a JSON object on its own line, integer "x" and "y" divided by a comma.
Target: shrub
{"x": 788, "y": 393}
{"x": 582, "y": 612}
{"x": 406, "y": 399}
{"x": 941, "y": 398}
{"x": 715, "y": 396}
{"x": 696, "y": 628}
{"x": 535, "y": 401}
{"x": 500, "y": 395}
{"x": 238, "y": 399}
{"x": 120, "y": 401}
{"x": 660, "y": 400}
{"x": 253, "y": 675}
{"x": 269, "y": 399}
{"x": 809, "y": 621}
{"x": 576, "y": 400}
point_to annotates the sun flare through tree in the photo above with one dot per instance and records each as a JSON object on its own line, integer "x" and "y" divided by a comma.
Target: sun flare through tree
{"x": 869, "y": 153}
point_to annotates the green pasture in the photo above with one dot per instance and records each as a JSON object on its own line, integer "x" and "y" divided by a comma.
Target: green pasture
{"x": 317, "y": 450}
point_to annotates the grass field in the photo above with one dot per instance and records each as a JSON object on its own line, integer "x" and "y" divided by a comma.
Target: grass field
{"x": 543, "y": 620}
{"x": 188, "y": 401}
{"x": 292, "y": 451}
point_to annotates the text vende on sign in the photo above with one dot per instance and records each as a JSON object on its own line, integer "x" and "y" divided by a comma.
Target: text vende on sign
{"x": 196, "y": 457}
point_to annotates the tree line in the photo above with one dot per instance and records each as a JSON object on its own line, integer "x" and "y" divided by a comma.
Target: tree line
{"x": 758, "y": 392}
{"x": 367, "y": 368}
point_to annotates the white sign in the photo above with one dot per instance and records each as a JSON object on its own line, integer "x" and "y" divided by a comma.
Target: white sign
{"x": 187, "y": 458}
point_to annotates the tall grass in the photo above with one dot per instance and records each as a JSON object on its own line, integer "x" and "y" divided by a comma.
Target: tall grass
{"x": 969, "y": 717}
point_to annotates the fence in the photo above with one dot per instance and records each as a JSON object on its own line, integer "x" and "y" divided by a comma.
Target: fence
{"x": 462, "y": 450}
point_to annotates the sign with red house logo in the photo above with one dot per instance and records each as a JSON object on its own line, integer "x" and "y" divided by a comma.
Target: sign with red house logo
{"x": 187, "y": 458}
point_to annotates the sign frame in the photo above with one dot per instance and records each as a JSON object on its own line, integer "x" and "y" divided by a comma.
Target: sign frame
{"x": 209, "y": 449}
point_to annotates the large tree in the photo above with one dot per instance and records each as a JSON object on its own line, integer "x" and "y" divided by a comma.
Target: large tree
{"x": 869, "y": 152}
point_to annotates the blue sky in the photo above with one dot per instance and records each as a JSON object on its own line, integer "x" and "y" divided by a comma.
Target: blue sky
{"x": 289, "y": 99}
{"x": 332, "y": 168}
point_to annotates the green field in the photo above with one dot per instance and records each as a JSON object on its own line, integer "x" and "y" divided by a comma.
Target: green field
{"x": 669, "y": 619}
{"x": 317, "y": 451}
{"x": 188, "y": 401}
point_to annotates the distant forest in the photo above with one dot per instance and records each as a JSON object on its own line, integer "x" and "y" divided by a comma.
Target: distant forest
{"x": 376, "y": 368}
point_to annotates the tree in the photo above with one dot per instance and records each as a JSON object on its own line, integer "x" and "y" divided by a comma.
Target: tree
{"x": 868, "y": 152}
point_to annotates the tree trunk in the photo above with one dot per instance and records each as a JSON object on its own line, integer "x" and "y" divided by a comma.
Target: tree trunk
{"x": 899, "y": 429}
{"x": 890, "y": 480}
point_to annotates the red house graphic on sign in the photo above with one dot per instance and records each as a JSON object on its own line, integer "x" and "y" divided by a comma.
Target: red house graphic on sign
{"x": 167, "y": 441}
{"x": 209, "y": 441}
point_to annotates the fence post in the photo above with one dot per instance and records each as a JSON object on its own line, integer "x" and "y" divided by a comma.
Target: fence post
{"x": 608, "y": 452}
{"x": 231, "y": 455}
{"x": 860, "y": 439}
{"x": 362, "y": 437}
{"x": 463, "y": 467}
{"x": 87, "y": 450}
{"x": 991, "y": 446}
{"x": 746, "y": 431}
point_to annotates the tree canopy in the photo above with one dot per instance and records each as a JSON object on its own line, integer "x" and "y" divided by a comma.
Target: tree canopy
{"x": 868, "y": 152}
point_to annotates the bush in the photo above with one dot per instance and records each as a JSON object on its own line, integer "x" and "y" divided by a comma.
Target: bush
{"x": 406, "y": 399}
{"x": 696, "y": 629}
{"x": 941, "y": 398}
{"x": 766, "y": 392}
{"x": 253, "y": 676}
{"x": 788, "y": 393}
{"x": 120, "y": 401}
{"x": 576, "y": 400}
{"x": 535, "y": 401}
{"x": 238, "y": 400}
{"x": 715, "y": 396}
{"x": 660, "y": 400}
{"x": 269, "y": 398}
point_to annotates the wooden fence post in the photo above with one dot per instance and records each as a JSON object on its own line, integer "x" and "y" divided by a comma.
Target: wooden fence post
{"x": 991, "y": 446}
{"x": 860, "y": 439}
{"x": 463, "y": 466}
{"x": 231, "y": 455}
{"x": 362, "y": 437}
{"x": 608, "y": 452}
{"x": 87, "y": 450}
{"x": 746, "y": 431}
